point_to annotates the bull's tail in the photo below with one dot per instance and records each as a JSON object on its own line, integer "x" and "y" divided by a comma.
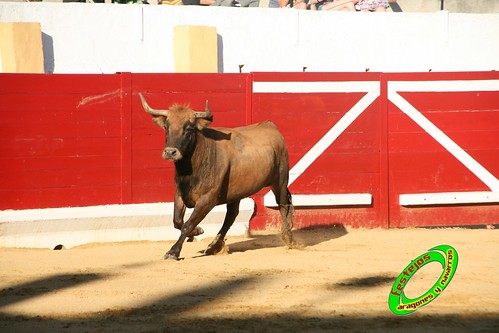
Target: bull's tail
{"x": 289, "y": 203}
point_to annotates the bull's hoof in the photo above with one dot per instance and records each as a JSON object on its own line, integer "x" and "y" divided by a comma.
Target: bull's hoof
{"x": 295, "y": 246}
{"x": 217, "y": 248}
{"x": 196, "y": 232}
{"x": 199, "y": 230}
{"x": 170, "y": 256}
{"x": 287, "y": 238}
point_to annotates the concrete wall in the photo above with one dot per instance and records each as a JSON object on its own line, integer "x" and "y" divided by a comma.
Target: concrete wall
{"x": 82, "y": 38}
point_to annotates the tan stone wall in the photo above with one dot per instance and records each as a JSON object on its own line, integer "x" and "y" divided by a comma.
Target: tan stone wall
{"x": 195, "y": 49}
{"x": 21, "y": 48}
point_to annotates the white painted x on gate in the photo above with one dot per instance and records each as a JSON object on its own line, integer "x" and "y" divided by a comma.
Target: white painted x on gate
{"x": 372, "y": 90}
{"x": 446, "y": 198}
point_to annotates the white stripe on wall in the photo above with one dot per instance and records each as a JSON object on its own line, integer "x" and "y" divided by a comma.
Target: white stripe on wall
{"x": 315, "y": 200}
{"x": 462, "y": 156}
{"x": 444, "y": 86}
{"x": 301, "y": 87}
{"x": 448, "y": 198}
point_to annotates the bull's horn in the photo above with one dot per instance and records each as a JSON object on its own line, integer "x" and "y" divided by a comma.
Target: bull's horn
{"x": 152, "y": 111}
{"x": 206, "y": 114}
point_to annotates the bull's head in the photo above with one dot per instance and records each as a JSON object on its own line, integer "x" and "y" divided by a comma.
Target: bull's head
{"x": 181, "y": 125}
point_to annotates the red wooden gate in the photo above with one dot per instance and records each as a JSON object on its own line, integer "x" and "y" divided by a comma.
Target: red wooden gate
{"x": 443, "y": 148}
{"x": 366, "y": 149}
{"x": 331, "y": 123}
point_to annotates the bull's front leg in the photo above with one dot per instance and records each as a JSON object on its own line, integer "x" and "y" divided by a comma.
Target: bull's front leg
{"x": 178, "y": 217}
{"x": 218, "y": 243}
{"x": 187, "y": 229}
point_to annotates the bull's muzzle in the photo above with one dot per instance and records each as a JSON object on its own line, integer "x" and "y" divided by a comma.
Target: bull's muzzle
{"x": 172, "y": 154}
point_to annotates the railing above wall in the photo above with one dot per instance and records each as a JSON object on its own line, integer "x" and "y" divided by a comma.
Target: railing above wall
{"x": 365, "y": 149}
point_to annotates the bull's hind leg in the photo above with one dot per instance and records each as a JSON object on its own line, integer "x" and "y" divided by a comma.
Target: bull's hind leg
{"x": 219, "y": 242}
{"x": 283, "y": 199}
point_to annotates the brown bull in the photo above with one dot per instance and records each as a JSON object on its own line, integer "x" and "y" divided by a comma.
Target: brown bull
{"x": 216, "y": 166}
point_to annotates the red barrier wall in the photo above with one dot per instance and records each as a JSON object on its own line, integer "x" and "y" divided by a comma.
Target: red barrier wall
{"x": 81, "y": 140}
{"x": 443, "y": 139}
{"x": 61, "y": 140}
{"x": 366, "y": 149}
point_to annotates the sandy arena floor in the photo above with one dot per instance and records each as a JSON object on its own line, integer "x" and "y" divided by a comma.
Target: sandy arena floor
{"x": 338, "y": 282}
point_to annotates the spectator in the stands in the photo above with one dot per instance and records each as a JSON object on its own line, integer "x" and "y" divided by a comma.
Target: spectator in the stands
{"x": 197, "y": 2}
{"x": 296, "y": 4}
{"x": 371, "y": 5}
{"x": 346, "y": 5}
{"x": 299, "y": 4}
{"x": 236, "y": 3}
{"x": 336, "y": 5}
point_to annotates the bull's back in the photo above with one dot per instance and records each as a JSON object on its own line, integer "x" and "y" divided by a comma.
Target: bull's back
{"x": 258, "y": 139}
{"x": 255, "y": 154}
{"x": 265, "y": 133}
{"x": 266, "y": 130}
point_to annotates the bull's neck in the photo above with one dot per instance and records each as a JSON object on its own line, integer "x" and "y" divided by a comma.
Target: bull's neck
{"x": 194, "y": 158}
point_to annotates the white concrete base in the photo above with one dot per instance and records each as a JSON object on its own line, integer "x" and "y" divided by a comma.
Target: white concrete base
{"x": 69, "y": 227}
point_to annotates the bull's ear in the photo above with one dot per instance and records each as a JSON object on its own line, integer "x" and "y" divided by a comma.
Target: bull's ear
{"x": 160, "y": 121}
{"x": 203, "y": 123}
